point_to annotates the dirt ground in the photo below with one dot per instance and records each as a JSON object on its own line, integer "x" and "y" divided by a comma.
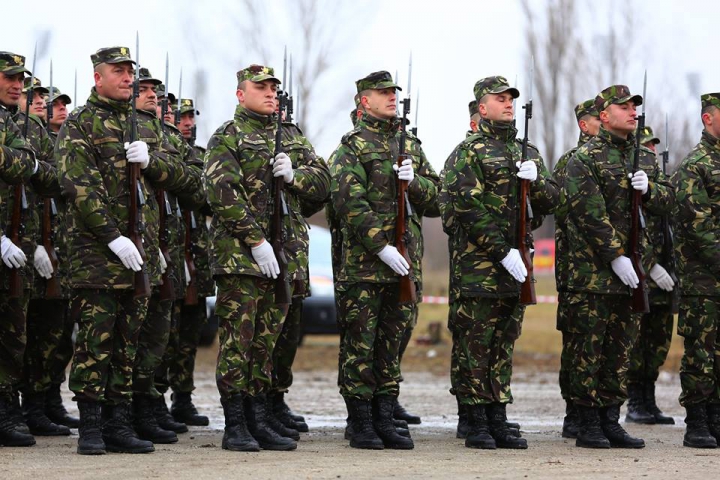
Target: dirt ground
{"x": 323, "y": 453}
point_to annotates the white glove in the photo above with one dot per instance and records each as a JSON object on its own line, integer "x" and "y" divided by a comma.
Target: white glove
{"x": 394, "y": 260}
{"x": 42, "y": 262}
{"x": 639, "y": 181}
{"x": 163, "y": 264}
{"x": 127, "y": 252}
{"x": 187, "y": 274}
{"x": 137, "y": 152}
{"x": 623, "y": 268}
{"x": 662, "y": 277}
{"x": 282, "y": 167}
{"x": 527, "y": 170}
{"x": 11, "y": 254}
{"x": 265, "y": 258}
{"x": 406, "y": 171}
{"x": 513, "y": 263}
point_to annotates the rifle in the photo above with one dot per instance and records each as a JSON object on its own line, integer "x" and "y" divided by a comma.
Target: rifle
{"x": 640, "y": 302}
{"x": 668, "y": 251}
{"x": 141, "y": 281}
{"x": 525, "y": 214}
{"x": 289, "y": 110}
{"x": 414, "y": 129}
{"x": 191, "y": 292}
{"x": 407, "y": 285}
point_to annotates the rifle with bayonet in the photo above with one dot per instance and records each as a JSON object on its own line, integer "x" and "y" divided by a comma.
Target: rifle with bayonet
{"x": 667, "y": 257}
{"x": 525, "y": 215}
{"x": 167, "y": 288}
{"x": 47, "y": 235}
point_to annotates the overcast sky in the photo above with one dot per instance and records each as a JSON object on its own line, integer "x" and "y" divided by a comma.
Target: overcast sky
{"x": 453, "y": 45}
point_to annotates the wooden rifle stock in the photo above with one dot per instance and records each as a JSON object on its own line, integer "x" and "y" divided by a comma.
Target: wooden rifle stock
{"x": 141, "y": 281}
{"x": 527, "y": 290}
{"x": 191, "y": 292}
{"x": 640, "y": 301}
{"x": 16, "y": 224}
{"x": 167, "y": 289}
{"x": 52, "y": 285}
{"x": 407, "y": 285}
{"x": 280, "y": 209}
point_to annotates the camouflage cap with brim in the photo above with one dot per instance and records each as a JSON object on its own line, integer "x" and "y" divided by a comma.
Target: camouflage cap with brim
{"x": 647, "y": 135}
{"x": 257, "y": 74}
{"x": 58, "y": 95}
{"x": 145, "y": 76}
{"x": 160, "y": 92}
{"x": 12, "y": 64}
{"x": 473, "y": 107}
{"x": 187, "y": 105}
{"x": 494, "y": 85}
{"x": 37, "y": 86}
{"x": 710, "y": 100}
{"x": 111, "y": 55}
{"x": 586, "y": 108}
{"x": 616, "y": 95}
{"x": 376, "y": 81}
{"x": 356, "y": 98}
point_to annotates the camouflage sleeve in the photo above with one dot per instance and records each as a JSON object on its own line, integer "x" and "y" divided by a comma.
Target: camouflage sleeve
{"x": 45, "y": 181}
{"x": 82, "y": 183}
{"x": 586, "y": 206}
{"x": 544, "y": 191}
{"x": 466, "y": 191}
{"x": 168, "y": 172}
{"x": 194, "y": 199}
{"x": 423, "y": 190}
{"x": 17, "y": 160}
{"x": 223, "y": 177}
{"x": 311, "y": 177}
{"x": 660, "y": 197}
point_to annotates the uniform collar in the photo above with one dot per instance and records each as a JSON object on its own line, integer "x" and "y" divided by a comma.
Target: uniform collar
{"x": 617, "y": 142}
{"x": 711, "y": 141}
{"x": 378, "y": 125}
{"x": 584, "y": 138}
{"x": 255, "y": 120}
{"x": 120, "y": 106}
{"x": 504, "y": 131}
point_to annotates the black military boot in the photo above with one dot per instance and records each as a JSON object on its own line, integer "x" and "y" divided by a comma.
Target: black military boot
{"x": 237, "y": 437}
{"x": 282, "y": 412}
{"x": 478, "y": 435}
{"x": 9, "y": 435}
{"x": 145, "y": 423}
{"x": 277, "y": 425}
{"x": 636, "y": 410}
{"x": 463, "y": 426}
{"x": 16, "y": 414}
{"x": 383, "y": 407}
{"x": 118, "y": 434}
{"x": 618, "y": 437}
{"x": 184, "y": 411}
{"x": 497, "y": 420}
{"x": 55, "y": 410}
{"x": 90, "y": 429}
{"x": 163, "y": 417}
{"x": 257, "y": 414}
{"x": 697, "y": 434}
{"x": 362, "y": 432}
{"x": 713, "y": 420}
{"x": 590, "y": 435}
{"x": 400, "y": 413}
{"x": 39, "y": 424}
{"x": 570, "y": 422}
{"x": 652, "y": 408}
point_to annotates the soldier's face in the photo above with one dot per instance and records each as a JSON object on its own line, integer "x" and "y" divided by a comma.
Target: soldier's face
{"x": 11, "y": 88}
{"x": 170, "y": 115}
{"x": 651, "y": 146}
{"x": 380, "y": 103}
{"x": 187, "y": 121}
{"x": 114, "y": 81}
{"x": 590, "y": 125}
{"x": 620, "y": 119}
{"x": 147, "y": 99}
{"x": 711, "y": 121}
{"x": 59, "y": 113}
{"x": 259, "y": 97}
{"x": 37, "y": 107}
{"x": 497, "y": 107}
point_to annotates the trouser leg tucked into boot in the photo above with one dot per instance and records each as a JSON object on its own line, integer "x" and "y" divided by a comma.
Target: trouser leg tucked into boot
{"x": 90, "y": 429}
{"x": 618, "y": 437}
{"x": 164, "y": 418}
{"x": 697, "y": 433}
{"x": 39, "y": 424}
{"x": 383, "y": 408}
{"x": 55, "y": 410}
{"x": 185, "y": 412}
{"x": 652, "y": 408}
{"x": 257, "y": 415}
{"x": 277, "y": 425}
{"x": 497, "y": 420}
{"x": 570, "y": 422}
{"x": 9, "y": 435}
{"x": 145, "y": 423}
{"x": 713, "y": 420}
{"x": 636, "y": 409}
{"x": 237, "y": 437}
{"x": 590, "y": 435}
{"x": 479, "y": 433}
{"x": 118, "y": 433}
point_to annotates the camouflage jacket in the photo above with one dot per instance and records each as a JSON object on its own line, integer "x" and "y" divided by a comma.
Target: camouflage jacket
{"x": 479, "y": 198}
{"x": 364, "y": 199}
{"x": 598, "y": 195}
{"x": 697, "y": 237}
{"x": 93, "y": 174}
{"x": 17, "y": 159}
{"x": 238, "y": 182}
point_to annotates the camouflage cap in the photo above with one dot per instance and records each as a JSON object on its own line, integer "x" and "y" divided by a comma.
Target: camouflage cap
{"x": 616, "y": 95}
{"x": 472, "y": 107}
{"x": 37, "y": 86}
{"x": 256, "y": 74}
{"x": 56, "y": 94}
{"x": 376, "y": 81}
{"x": 496, "y": 84}
{"x": 356, "y": 98}
{"x": 586, "y": 108}
{"x": 111, "y": 55}
{"x": 187, "y": 105}
{"x": 160, "y": 92}
{"x": 647, "y": 135}
{"x": 11, "y": 64}
{"x": 710, "y": 100}
{"x": 146, "y": 77}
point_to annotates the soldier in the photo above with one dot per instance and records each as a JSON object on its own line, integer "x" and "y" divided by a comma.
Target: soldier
{"x": 37, "y": 105}
{"x": 59, "y": 102}
{"x": 240, "y": 166}
{"x": 655, "y": 333}
{"x": 698, "y": 198}
{"x": 479, "y": 190}
{"x": 364, "y": 196}
{"x": 589, "y": 124}
{"x": 17, "y": 165}
{"x": 599, "y": 321}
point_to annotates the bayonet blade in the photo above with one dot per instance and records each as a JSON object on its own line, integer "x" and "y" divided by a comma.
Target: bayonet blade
{"x": 644, "y": 93}
{"x": 417, "y": 107}
{"x": 532, "y": 77}
{"x": 32, "y": 76}
{"x": 137, "y": 57}
{"x": 167, "y": 72}
{"x": 284, "y": 67}
{"x": 290, "y": 89}
{"x": 667, "y": 137}
{"x": 51, "y": 80}
{"x": 51, "y": 96}
{"x": 409, "y": 85}
{"x": 179, "y": 92}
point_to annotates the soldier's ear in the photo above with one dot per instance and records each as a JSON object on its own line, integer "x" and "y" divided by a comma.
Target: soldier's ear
{"x": 240, "y": 94}
{"x": 604, "y": 116}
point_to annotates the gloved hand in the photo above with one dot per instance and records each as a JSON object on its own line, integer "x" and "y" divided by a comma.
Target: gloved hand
{"x": 187, "y": 274}
{"x": 127, "y": 252}
{"x": 394, "y": 260}
{"x": 265, "y": 258}
{"x": 662, "y": 277}
{"x": 527, "y": 170}
{"x": 623, "y": 268}
{"x": 42, "y": 262}
{"x": 11, "y": 254}
{"x": 163, "y": 264}
{"x": 137, "y": 152}
{"x": 282, "y": 167}
{"x": 639, "y": 181}
{"x": 513, "y": 263}
{"x": 405, "y": 172}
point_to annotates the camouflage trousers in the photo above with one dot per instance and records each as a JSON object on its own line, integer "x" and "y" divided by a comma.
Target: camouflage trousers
{"x": 13, "y": 339}
{"x": 698, "y": 324}
{"x": 179, "y": 362}
{"x": 286, "y": 347}
{"x": 249, "y": 326}
{"x": 373, "y": 324}
{"x": 151, "y": 345}
{"x": 652, "y": 345}
{"x": 600, "y": 332}
{"x": 49, "y": 332}
{"x": 109, "y": 323}
{"x": 484, "y": 331}
{"x": 405, "y": 340}
{"x": 161, "y": 380}
{"x": 566, "y": 358}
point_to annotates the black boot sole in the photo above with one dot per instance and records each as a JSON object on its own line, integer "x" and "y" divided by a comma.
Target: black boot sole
{"x": 511, "y": 446}
{"x": 482, "y": 446}
{"x": 193, "y": 421}
{"x": 159, "y": 440}
{"x": 625, "y": 445}
{"x": 121, "y": 449}
{"x": 399, "y": 446}
{"x": 367, "y": 446}
{"x": 91, "y": 451}
{"x": 277, "y": 447}
{"x": 649, "y": 421}
{"x": 582, "y": 444}
{"x": 18, "y": 443}
{"x": 246, "y": 447}
{"x": 54, "y": 433}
